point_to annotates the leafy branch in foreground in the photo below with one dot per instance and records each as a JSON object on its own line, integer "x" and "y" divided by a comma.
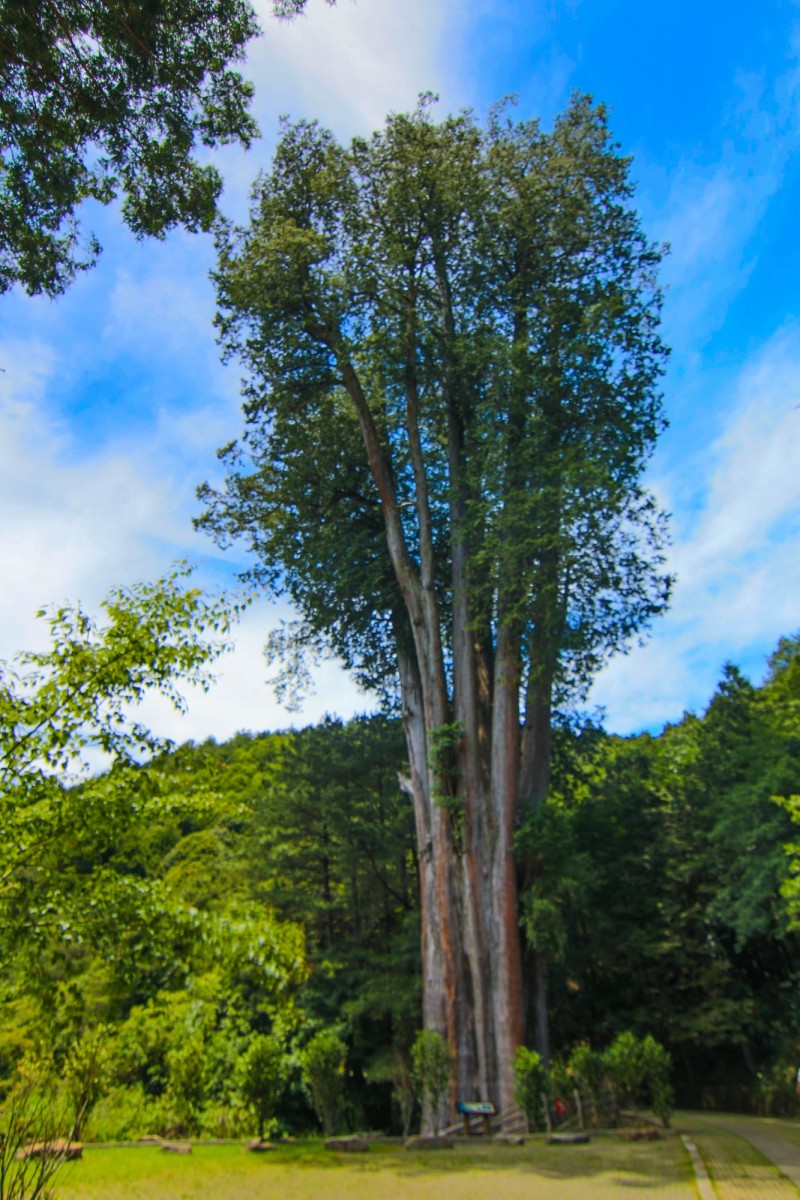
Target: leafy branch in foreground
{"x": 33, "y": 1136}
{"x": 61, "y": 707}
{"x": 76, "y": 695}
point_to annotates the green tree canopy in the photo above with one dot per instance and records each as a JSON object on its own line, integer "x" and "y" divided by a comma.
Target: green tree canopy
{"x": 99, "y": 99}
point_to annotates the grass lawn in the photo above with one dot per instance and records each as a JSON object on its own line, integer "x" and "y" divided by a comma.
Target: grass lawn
{"x": 605, "y": 1168}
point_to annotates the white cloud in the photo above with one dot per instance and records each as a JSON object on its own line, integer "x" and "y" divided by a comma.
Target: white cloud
{"x": 165, "y": 304}
{"x": 349, "y": 65}
{"x": 72, "y": 528}
{"x": 96, "y": 487}
{"x": 737, "y": 558}
{"x": 708, "y": 218}
{"x": 69, "y": 529}
{"x": 711, "y": 204}
{"x": 755, "y": 484}
{"x": 242, "y": 697}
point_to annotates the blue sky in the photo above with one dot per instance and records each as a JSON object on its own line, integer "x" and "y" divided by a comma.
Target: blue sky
{"x": 113, "y": 401}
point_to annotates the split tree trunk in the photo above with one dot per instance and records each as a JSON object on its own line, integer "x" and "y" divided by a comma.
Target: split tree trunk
{"x": 472, "y": 975}
{"x": 472, "y": 988}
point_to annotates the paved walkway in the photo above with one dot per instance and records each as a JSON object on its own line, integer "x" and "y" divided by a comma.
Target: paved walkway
{"x": 778, "y": 1141}
{"x": 704, "y": 1187}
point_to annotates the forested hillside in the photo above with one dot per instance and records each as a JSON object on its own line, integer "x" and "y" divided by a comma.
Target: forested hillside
{"x": 266, "y": 889}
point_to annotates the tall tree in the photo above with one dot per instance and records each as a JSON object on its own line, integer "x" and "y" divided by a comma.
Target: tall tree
{"x": 99, "y": 99}
{"x": 451, "y": 338}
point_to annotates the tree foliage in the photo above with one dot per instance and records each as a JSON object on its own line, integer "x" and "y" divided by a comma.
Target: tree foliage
{"x": 668, "y": 868}
{"x": 342, "y": 270}
{"x": 675, "y": 892}
{"x": 99, "y": 100}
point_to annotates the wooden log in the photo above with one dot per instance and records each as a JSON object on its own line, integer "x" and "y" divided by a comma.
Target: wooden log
{"x": 54, "y": 1148}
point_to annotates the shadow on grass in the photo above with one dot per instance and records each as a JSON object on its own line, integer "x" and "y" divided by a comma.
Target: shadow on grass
{"x": 645, "y": 1164}
{"x": 385, "y": 1170}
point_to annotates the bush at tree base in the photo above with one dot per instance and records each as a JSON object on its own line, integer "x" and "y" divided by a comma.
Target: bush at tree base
{"x": 531, "y": 1084}
{"x": 431, "y": 1071}
{"x": 632, "y": 1071}
{"x": 264, "y": 1078}
{"x": 640, "y": 1072}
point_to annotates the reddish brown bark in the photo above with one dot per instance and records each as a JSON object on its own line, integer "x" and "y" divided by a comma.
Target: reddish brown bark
{"x": 465, "y": 818}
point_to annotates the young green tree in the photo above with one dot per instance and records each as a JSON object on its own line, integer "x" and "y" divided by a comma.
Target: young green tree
{"x": 264, "y": 1078}
{"x": 696, "y": 945}
{"x": 432, "y": 1072}
{"x": 86, "y": 1073}
{"x": 531, "y": 1084}
{"x": 322, "y": 1062}
{"x": 452, "y": 342}
{"x": 28, "y": 1114}
{"x": 99, "y": 100}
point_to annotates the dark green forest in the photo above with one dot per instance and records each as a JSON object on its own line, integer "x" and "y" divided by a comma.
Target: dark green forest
{"x": 264, "y": 891}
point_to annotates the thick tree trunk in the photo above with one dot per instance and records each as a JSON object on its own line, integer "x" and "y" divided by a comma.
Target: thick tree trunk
{"x": 436, "y": 918}
{"x": 470, "y": 944}
{"x": 472, "y": 992}
{"x": 504, "y": 947}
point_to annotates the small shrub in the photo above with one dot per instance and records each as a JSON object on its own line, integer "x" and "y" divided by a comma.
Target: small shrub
{"x": 225, "y": 1120}
{"x": 587, "y": 1068}
{"x": 322, "y": 1064}
{"x": 531, "y": 1084}
{"x": 625, "y": 1065}
{"x": 264, "y": 1078}
{"x": 775, "y": 1092}
{"x": 431, "y": 1070}
{"x": 657, "y": 1067}
{"x": 186, "y": 1087}
{"x": 640, "y": 1071}
{"x": 122, "y": 1114}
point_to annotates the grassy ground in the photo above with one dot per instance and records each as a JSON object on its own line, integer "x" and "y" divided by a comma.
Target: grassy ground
{"x": 605, "y": 1169}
